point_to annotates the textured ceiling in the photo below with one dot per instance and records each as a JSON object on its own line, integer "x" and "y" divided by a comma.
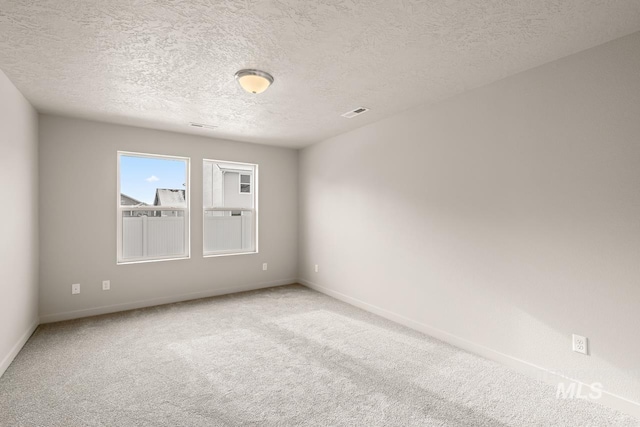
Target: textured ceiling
{"x": 164, "y": 63}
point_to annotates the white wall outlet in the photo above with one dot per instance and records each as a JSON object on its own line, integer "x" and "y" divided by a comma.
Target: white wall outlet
{"x": 75, "y": 288}
{"x": 106, "y": 285}
{"x": 580, "y": 344}
{"x": 315, "y": 267}
{"x": 264, "y": 266}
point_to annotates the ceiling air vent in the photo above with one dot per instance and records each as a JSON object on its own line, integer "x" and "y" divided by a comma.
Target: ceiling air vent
{"x": 356, "y": 112}
{"x": 202, "y": 126}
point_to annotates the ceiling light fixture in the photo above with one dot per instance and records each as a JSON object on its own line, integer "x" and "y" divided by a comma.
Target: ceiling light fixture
{"x": 254, "y": 81}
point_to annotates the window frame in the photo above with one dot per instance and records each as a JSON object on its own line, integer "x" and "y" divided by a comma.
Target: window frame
{"x": 120, "y": 209}
{"x": 255, "y": 210}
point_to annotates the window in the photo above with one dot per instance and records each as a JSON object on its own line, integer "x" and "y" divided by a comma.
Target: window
{"x": 245, "y": 183}
{"x": 230, "y": 211}
{"x": 153, "y": 207}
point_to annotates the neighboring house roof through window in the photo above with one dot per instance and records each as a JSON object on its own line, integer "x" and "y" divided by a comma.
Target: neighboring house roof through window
{"x": 170, "y": 197}
{"x": 130, "y": 201}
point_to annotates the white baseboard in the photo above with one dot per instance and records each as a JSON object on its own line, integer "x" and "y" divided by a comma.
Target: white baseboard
{"x": 611, "y": 400}
{"x": 95, "y": 311}
{"x": 6, "y": 361}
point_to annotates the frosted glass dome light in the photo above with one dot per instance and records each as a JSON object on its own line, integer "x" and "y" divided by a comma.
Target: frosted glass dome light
{"x": 254, "y": 81}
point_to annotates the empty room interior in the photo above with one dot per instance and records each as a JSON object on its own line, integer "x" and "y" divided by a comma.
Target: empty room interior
{"x": 320, "y": 213}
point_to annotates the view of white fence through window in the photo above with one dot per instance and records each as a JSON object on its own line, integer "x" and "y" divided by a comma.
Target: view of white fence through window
{"x": 153, "y": 236}
{"x": 153, "y": 212}
{"x": 229, "y": 213}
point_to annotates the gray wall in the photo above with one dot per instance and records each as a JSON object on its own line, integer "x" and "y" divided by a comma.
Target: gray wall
{"x": 506, "y": 218}
{"x": 78, "y": 220}
{"x": 19, "y": 224}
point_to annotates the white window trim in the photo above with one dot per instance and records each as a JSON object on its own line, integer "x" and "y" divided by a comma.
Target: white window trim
{"x": 255, "y": 210}
{"x": 120, "y": 209}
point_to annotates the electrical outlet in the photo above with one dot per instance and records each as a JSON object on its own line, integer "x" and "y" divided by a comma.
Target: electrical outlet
{"x": 106, "y": 285}
{"x": 264, "y": 266}
{"x": 580, "y": 344}
{"x": 316, "y": 268}
{"x": 75, "y": 288}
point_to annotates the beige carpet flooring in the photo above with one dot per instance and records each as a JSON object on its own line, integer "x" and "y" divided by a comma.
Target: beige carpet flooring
{"x": 285, "y": 356}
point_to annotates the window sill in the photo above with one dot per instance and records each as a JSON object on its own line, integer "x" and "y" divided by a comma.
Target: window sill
{"x": 143, "y": 261}
{"x": 229, "y": 254}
